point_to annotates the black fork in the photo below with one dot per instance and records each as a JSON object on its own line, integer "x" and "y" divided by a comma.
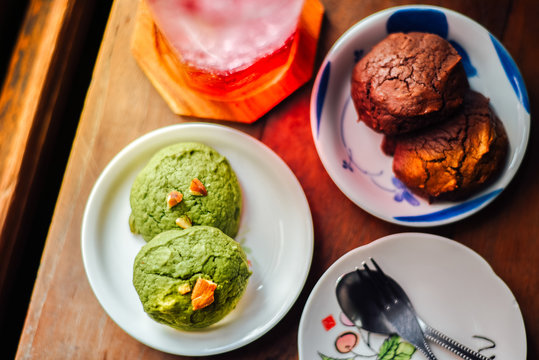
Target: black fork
{"x": 430, "y": 333}
{"x": 397, "y": 312}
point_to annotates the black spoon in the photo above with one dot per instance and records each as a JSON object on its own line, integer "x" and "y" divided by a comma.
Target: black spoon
{"x": 358, "y": 301}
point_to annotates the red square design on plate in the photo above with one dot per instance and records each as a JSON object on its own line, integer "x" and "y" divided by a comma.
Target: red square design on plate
{"x": 328, "y": 322}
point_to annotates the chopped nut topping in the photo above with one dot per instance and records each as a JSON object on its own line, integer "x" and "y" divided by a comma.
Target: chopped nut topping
{"x": 197, "y": 188}
{"x": 202, "y": 294}
{"x": 184, "y": 222}
{"x": 184, "y": 289}
{"x": 174, "y": 198}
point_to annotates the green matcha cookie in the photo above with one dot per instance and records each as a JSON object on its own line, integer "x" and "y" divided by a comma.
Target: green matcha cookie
{"x": 199, "y": 266}
{"x": 183, "y": 184}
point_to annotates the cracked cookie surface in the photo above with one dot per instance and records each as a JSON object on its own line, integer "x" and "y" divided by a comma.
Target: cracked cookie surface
{"x": 173, "y": 169}
{"x": 167, "y": 269}
{"x": 408, "y": 81}
{"x": 456, "y": 158}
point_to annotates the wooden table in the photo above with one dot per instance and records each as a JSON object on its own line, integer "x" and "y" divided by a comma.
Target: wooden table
{"x": 64, "y": 319}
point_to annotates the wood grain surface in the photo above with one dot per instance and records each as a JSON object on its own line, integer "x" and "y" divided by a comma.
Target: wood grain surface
{"x": 40, "y": 69}
{"x": 65, "y": 321}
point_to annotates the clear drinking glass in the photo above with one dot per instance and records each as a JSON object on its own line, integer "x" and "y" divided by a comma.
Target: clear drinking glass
{"x": 228, "y": 48}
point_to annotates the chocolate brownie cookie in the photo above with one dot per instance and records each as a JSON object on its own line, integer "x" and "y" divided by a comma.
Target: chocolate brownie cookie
{"x": 408, "y": 81}
{"x": 455, "y": 158}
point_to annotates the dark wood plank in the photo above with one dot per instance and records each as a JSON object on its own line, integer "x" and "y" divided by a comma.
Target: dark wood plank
{"x": 11, "y": 16}
{"x": 519, "y": 264}
{"x": 31, "y": 102}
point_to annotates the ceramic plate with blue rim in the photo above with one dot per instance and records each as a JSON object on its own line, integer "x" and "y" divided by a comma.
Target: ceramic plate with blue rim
{"x": 350, "y": 151}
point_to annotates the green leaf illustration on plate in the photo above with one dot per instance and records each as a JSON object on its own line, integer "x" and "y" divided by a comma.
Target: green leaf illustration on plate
{"x": 395, "y": 349}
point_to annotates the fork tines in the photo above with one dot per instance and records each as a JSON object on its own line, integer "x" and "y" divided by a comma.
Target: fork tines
{"x": 380, "y": 281}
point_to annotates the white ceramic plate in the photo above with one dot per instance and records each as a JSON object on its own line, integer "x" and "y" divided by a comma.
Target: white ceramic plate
{"x": 351, "y": 152}
{"x": 451, "y": 287}
{"x": 275, "y": 230}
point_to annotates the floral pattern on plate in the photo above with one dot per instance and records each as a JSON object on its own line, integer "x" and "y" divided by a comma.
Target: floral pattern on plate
{"x": 355, "y": 343}
{"x": 451, "y": 287}
{"x": 350, "y": 151}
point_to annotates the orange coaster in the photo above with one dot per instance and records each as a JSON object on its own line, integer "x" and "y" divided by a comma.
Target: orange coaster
{"x": 157, "y": 60}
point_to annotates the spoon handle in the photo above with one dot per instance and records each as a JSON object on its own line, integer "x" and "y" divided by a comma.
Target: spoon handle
{"x": 425, "y": 349}
{"x": 446, "y": 342}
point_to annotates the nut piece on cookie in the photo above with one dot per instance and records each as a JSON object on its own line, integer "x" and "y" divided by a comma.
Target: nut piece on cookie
{"x": 184, "y": 222}
{"x": 174, "y": 198}
{"x": 184, "y": 289}
{"x": 202, "y": 295}
{"x": 197, "y": 188}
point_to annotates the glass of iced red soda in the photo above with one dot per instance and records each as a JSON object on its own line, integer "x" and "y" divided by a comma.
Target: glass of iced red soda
{"x": 229, "y": 48}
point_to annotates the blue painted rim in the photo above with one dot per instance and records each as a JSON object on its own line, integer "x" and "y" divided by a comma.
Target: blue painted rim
{"x": 512, "y": 72}
{"x": 418, "y": 19}
{"x": 451, "y": 211}
{"x": 321, "y": 95}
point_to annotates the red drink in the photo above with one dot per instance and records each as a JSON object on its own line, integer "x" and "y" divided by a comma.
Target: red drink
{"x": 229, "y": 49}
{"x": 240, "y": 82}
